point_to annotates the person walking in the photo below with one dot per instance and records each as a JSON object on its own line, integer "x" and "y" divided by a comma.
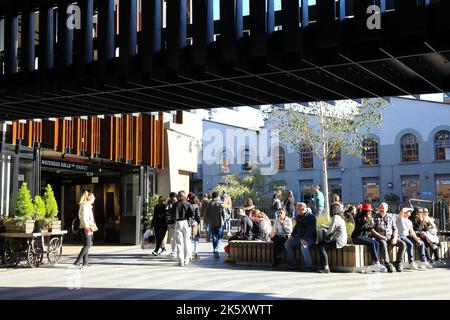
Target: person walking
{"x": 173, "y": 199}
{"x": 215, "y": 214}
{"x": 289, "y": 205}
{"x": 86, "y": 229}
{"x": 318, "y": 200}
{"x": 195, "y": 224}
{"x": 159, "y": 224}
{"x": 204, "y": 201}
{"x": 276, "y": 204}
{"x": 181, "y": 214}
{"x": 228, "y": 204}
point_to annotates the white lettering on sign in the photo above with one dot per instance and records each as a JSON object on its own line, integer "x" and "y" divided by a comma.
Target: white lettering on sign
{"x": 374, "y": 21}
{"x": 74, "y": 19}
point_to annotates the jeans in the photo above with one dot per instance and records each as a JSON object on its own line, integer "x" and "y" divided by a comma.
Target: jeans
{"x": 293, "y": 243}
{"x": 373, "y": 245}
{"x": 87, "y": 243}
{"x": 384, "y": 250}
{"x": 410, "y": 249}
{"x": 183, "y": 241}
{"x": 208, "y": 233}
{"x": 217, "y": 235}
{"x": 228, "y": 225}
{"x": 275, "y": 215}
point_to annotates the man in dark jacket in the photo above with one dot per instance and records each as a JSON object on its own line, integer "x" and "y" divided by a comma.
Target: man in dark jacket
{"x": 182, "y": 213}
{"x": 159, "y": 224}
{"x": 215, "y": 215}
{"x": 245, "y": 232}
{"x": 304, "y": 234}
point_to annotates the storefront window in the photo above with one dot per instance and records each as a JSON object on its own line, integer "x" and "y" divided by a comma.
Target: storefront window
{"x": 25, "y": 172}
{"x": 443, "y": 187}
{"x": 131, "y": 195}
{"x": 371, "y": 189}
{"x": 335, "y": 187}
{"x": 410, "y": 187}
{"x": 5, "y": 184}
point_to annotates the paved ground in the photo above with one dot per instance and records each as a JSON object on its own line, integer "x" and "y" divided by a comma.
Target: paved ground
{"x": 133, "y": 273}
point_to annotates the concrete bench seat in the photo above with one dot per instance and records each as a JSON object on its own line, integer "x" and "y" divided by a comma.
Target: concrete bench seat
{"x": 351, "y": 258}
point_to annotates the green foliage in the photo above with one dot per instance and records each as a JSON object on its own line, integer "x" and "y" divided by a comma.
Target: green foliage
{"x": 50, "y": 203}
{"x": 323, "y": 220}
{"x": 148, "y": 216}
{"x": 24, "y": 209}
{"x": 391, "y": 197}
{"x": 254, "y": 185}
{"x": 39, "y": 208}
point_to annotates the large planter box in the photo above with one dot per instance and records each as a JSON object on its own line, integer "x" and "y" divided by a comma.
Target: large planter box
{"x": 28, "y": 227}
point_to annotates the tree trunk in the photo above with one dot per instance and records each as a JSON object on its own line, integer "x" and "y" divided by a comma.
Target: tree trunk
{"x": 324, "y": 157}
{"x": 325, "y": 186}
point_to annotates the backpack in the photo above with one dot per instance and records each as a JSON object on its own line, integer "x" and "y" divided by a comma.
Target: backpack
{"x": 76, "y": 224}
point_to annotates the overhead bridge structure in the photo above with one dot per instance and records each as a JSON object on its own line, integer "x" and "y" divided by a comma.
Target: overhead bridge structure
{"x": 152, "y": 55}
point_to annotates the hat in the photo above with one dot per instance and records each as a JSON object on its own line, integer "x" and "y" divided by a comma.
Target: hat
{"x": 366, "y": 207}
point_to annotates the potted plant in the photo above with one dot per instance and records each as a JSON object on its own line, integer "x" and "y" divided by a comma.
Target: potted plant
{"x": 41, "y": 222}
{"x": 22, "y": 221}
{"x": 51, "y": 209}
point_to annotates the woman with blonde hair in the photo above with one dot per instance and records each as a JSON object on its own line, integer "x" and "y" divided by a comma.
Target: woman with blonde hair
{"x": 87, "y": 227}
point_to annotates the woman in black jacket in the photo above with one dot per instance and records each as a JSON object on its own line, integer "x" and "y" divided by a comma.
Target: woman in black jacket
{"x": 159, "y": 224}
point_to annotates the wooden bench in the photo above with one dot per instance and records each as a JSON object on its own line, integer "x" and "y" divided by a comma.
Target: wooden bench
{"x": 351, "y": 258}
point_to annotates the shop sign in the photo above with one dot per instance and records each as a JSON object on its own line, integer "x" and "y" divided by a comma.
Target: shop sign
{"x": 94, "y": 179}
{"x": 64, "y": 165}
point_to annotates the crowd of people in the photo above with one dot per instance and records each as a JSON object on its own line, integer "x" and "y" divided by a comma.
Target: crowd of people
{"x": 183, "y": 218}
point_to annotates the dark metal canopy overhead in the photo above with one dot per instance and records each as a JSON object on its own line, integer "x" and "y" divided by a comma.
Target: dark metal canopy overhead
{"x": 298, "y": 54}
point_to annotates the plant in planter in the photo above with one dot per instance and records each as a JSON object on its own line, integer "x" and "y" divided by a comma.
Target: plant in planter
{"x": 51, "y": 208}
{"x": 39, "y": 214}
{"x": 24, "y": 212}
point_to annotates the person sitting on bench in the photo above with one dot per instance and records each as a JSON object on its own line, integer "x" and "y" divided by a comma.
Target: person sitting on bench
{"x": 335, "y": 238}
{"x": 281, "y": 231}
{"x": 245, "y": 231}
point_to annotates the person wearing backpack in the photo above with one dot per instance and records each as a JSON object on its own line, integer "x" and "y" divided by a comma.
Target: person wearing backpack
{"x": 276, "y": 204}
{"x": 182, "y": 214}
{"x": 215, "y": 215}
{"x": 86, "y": 228}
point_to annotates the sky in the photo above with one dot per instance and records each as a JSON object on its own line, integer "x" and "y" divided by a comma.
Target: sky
{"x": 246, "y": 8}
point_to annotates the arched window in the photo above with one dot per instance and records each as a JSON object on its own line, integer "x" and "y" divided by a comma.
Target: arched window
{"x": 410, "y": 148}
{"x": 280, "y": 159}
{"x": 442, "y": 145}
{"x": 306, "y": 158}
{"x": 370, "y": 152}
{"x": 224, "y": 163}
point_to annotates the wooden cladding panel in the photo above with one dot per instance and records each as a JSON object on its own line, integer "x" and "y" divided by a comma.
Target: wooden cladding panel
{"x": 132, "y": 139}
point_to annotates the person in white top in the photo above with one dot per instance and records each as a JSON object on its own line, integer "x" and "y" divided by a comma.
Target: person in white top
{"x": 282, "y": 228}
{"x": 335, "y": 238}
{"x": 407, "y": 234}
{"x": 86, "y": 229}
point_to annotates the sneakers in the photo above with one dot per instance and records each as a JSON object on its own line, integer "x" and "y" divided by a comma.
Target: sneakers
{"x": 162, "y": 251}
{"x": 325, "y": 269}
{"x": 180, "y": 264}
{"x": 389, "y": 267}
{"x": 216, "y": 255}
{"x": 155, "y": 253}
{"x": 411, "y": 266}
{"x": 78, "y": 265}
{"x": 376, "y": 267}
{"x": 196, "y": 257}
{"x": 229, "y": 234}
{"x": 398, "y": 266}
{"x": 425, "y": 265}
{"x": 172, "y": 254}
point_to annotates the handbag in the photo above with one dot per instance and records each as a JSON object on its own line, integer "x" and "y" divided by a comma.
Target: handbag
{"x": 94, "y": 227}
